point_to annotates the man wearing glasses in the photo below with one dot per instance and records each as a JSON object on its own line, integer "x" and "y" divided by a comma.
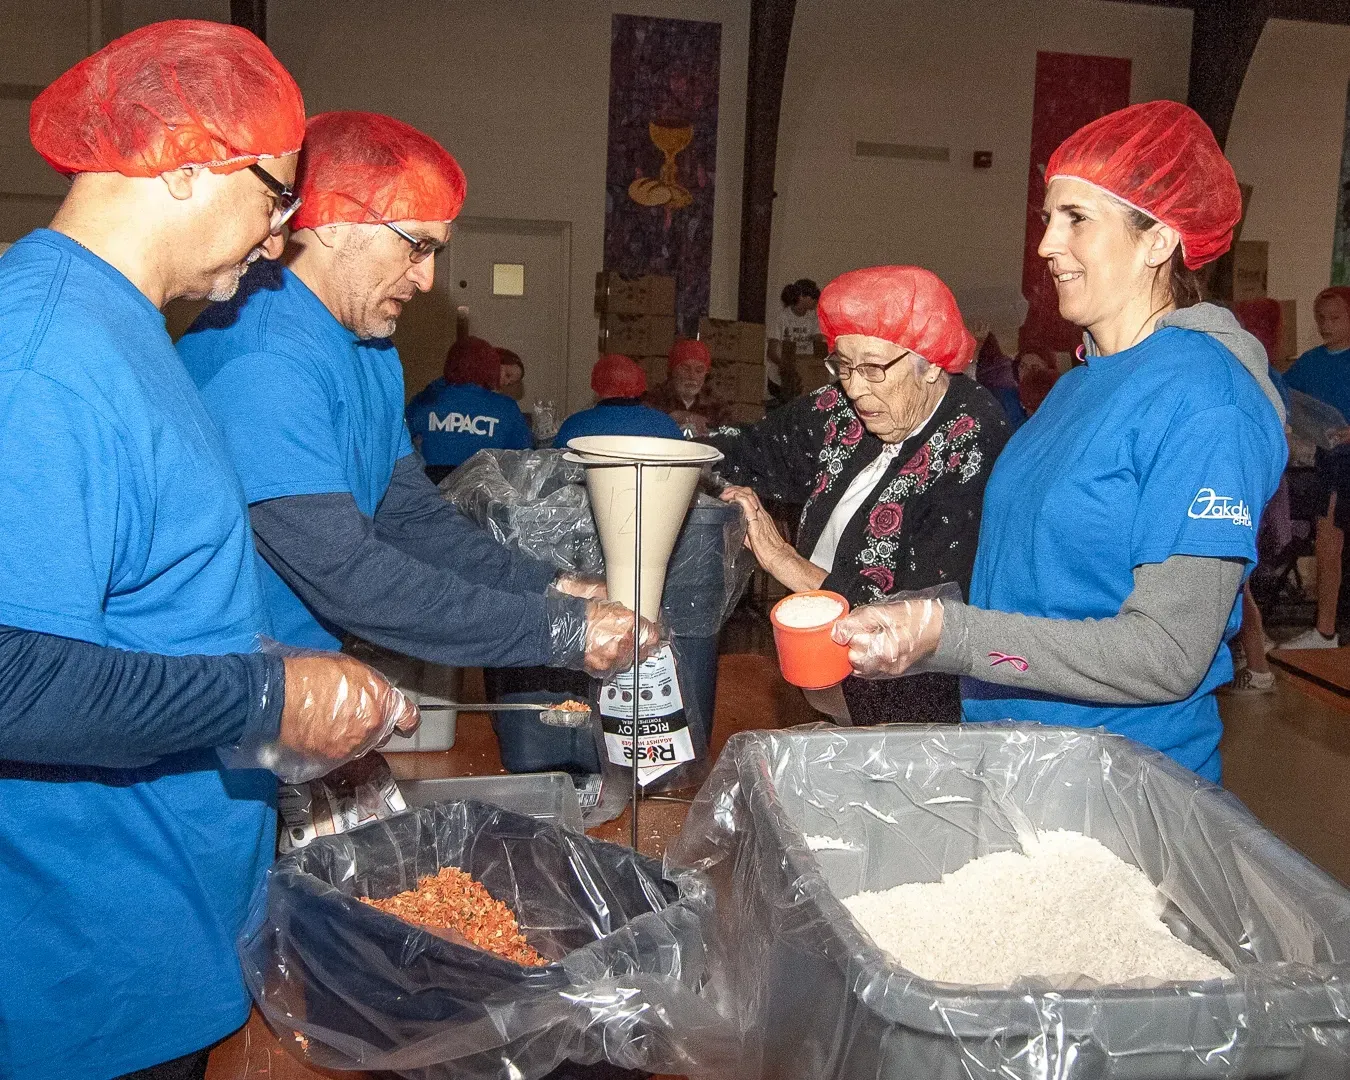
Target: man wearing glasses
{"x": 130, "y": 604}
{"x": 303, "y": 381}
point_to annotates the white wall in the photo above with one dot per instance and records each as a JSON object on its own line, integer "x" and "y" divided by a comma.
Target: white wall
{"x": 519, "y": 93}
{"x": 517, "y": 89}
{"x": 1286, "y": 142}
{"x": 955, "y": 73}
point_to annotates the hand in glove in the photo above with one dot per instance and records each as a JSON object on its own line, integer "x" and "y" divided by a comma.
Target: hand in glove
{"x": 886, "y": 638}
{"x": 336, "y": 709}
{"x": 583, "y": 585}
{"x": 609, "y": 638}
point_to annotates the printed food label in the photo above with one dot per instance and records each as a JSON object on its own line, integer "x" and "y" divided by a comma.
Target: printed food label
{"x": 663, "y": 731}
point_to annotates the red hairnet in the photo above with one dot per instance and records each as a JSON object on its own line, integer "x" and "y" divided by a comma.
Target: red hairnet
{"x": 1161, "y": 158}
{"x": 615, "y": 375}
{"x": 1263, "y": 318}
{"x": 689, "y": 351}
{"x": 903, "y": 304}
{"x": 473, "y": 360}
{"x": 183, "y": 92}
{"x": 1343, "y": 291}
{"x": 364, "y": 167}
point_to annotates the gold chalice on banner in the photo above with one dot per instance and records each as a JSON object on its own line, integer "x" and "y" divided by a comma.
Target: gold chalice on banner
{"x": 670, "y": 137}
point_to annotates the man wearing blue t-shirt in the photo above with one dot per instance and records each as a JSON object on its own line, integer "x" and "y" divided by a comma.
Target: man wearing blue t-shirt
{"x": 619, "y": 384}
{"x": 1324, "y": 373}
{"x": 130, "y": 607}
{"x": 300, "y": 376}
{"x": 455, "y": 417}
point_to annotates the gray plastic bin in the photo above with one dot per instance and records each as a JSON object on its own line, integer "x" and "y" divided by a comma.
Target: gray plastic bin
{"x": 818, "y": 999}
{"x": 548, "y": 796}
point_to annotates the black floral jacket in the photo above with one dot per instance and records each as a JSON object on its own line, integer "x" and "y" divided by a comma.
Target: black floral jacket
{"x": 920, "y": 526}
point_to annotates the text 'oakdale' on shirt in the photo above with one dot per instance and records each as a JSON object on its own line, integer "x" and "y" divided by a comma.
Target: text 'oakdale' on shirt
{"x": 121, "y": 524}
{"x": 1168, "y": 448}
{"x": 455, "y": 421}
{"x": 305, "y": 406}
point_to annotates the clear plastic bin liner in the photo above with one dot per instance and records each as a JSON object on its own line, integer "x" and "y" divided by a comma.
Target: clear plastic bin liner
{"x": 536, "y": 502}
{"x": 630, "y": 982}
{"x": 530, "y": 500}
{"x": 820, "y": 1000}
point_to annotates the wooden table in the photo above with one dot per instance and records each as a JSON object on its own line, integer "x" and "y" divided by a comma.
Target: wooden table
{"x": 750, "y": 694}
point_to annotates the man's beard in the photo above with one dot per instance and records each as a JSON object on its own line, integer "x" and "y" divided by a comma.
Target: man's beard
{"x": 223, "y": 291}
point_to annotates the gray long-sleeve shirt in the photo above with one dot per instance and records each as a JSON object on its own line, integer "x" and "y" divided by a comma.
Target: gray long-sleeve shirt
{"x": 419, "y": 577}
{"x": 1157, "y": 649}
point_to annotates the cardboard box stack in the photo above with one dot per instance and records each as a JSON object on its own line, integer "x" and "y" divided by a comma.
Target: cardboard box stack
{"x": 811, "y": 373}
{"x": 637, "y": 318}
{"x": 737, "y": 375}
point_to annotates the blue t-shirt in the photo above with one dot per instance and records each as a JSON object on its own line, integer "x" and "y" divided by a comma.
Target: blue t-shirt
{"x": 121, "y": 524}
{"x": 306, "y": 408}
{"x": 455, "y": 422}
{"x": 626, "y": 418}
{"x": 1323, "y": 374}
{"x": 1169, "y": 448}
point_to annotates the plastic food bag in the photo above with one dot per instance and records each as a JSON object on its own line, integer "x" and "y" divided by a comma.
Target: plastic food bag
{"x": 632, "y": 980}
{"x": 1313, "y": 426}
{"x": 351, "y": 795}
{"x": 884, "y": 806}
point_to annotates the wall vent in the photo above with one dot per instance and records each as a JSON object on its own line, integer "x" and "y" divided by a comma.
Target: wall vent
{"x": 902, "y": 151}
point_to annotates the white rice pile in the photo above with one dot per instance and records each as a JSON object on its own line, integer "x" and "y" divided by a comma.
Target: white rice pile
{"x": 1067, "y": 908}
{"x": 807, "y": 611}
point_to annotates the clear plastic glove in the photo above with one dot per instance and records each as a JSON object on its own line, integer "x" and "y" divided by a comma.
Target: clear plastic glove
{"x": 586, "y": 586}
{"x": 336, "y": 709}
{"x": 609, "y": 639}
{"x": 887, "y": 638}
{"x": 595, "y": 636}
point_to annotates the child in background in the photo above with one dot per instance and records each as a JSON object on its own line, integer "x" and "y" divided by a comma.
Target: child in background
{"x": 1324, "y": 373}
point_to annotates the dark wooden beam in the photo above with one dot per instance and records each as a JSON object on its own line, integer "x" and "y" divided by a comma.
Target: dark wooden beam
{"x": 1327, "y": 11}
{"x": 1223, "y": 37}
{"x": 251, "y": 15}
{"x": 770, "y": 33}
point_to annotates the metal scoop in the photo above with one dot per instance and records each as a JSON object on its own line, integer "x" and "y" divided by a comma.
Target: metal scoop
{"x": 552, "y": 715}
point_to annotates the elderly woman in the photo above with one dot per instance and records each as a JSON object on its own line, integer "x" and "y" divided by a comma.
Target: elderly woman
{"x": 1120, "y": 522}
{"x": 890, "y": 464}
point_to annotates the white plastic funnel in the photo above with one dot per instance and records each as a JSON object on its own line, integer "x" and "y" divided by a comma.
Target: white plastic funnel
{"x": 670, "y": 469}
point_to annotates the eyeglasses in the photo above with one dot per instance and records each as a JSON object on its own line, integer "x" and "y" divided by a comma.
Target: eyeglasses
{"x": 874, "y": 373}
{"x": 422, "y": 249}
{"x": 288, "y": 202}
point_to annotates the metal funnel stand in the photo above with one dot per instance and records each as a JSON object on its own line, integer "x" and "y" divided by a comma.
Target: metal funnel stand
{"x": 679, "y": 463}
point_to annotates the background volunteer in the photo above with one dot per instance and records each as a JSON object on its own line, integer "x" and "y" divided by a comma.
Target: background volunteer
{"x": 127, "y": 852}
{"x": 685, "y": 395}
{"x": 619, "y": 384}
{"x": 299, "y": 374}
{"x": 1120, "y": 521}
{"x": 470, "y": 413}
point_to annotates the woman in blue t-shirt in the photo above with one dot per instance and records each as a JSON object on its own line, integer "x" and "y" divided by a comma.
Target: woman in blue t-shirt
{"x": 1120, "y": 521}
{"x": 619, "y": 384}
{"x": 455, "y": 417}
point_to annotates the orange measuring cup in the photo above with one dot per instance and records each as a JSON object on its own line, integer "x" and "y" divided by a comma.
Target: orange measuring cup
{"x": 807, "y": 655}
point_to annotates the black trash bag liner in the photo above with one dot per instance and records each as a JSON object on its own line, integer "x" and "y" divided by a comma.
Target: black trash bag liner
{"x": 347, "y": 986}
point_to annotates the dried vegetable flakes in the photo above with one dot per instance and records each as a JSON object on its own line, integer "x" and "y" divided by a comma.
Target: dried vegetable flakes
{"x": 453, "y": 900}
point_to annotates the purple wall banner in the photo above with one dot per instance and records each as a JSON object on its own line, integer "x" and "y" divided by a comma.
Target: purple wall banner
{"x": 662, "y": 160}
